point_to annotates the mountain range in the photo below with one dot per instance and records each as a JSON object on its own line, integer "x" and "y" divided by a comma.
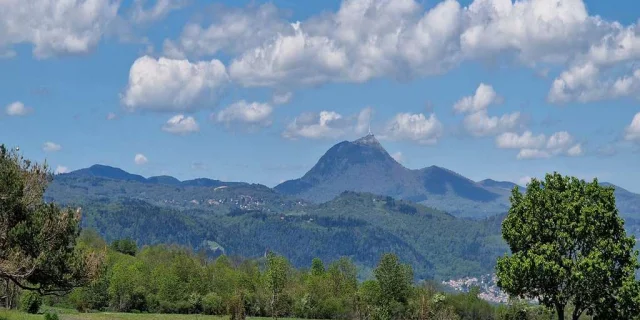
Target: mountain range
{"x": 362, "y": 165}
{"x": 356, "y": 201}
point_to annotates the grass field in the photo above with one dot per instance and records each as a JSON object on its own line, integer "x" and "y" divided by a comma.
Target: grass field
{"x": 65, "y": 314}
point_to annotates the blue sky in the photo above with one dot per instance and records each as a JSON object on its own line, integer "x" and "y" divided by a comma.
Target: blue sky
{"x": 257, "y": 91}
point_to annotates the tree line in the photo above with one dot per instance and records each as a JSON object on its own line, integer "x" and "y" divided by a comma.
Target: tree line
{"x": 174, "y": 279}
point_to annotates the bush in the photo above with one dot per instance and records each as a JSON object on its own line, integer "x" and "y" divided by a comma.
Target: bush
{"x": 51, "y": 316}
{"x": 212, "y": 304}
{"x": 30, "y": 302}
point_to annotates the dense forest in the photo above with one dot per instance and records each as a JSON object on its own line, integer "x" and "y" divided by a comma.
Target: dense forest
{"x": 360, "y": 226}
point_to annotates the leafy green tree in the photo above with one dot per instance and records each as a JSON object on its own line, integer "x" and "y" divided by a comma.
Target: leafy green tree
{"x": 469, "y": 306}
{"x": 30, "y": 302}
{"x": 317, "y": 267}
{"x": 37, "y": 239}
{"x": 277, "y": 276}
{"x": 369, "y": 296}
{"x": 126, "y": 246}
{"x": 569, "y": 247}
{"x": 395, "y": 281}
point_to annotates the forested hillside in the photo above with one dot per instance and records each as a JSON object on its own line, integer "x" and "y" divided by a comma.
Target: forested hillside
{"x": 360, "y": 226}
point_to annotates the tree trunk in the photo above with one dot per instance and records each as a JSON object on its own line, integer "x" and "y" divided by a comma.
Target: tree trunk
{"x": 8, "y": 295}
{"x": 576, "y": 314}
{"x": 560, "y": 311}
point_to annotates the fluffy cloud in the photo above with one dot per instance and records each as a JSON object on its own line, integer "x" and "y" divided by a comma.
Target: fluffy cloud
{"x": 51, "y": 147}
{"x": 56, "y": 27}
{"x": 483, "y": 97}
{"x": 559, "y": 141}
{"x": 173, "y": 85}
{"x": 140, "y": 159}
{"x": 243, "y": 112}
{"x": 583, "y": 83}
{"x": 298, "y": 58}
{"x": 477, "y": 120}
{"x": 366, "y": 39}
{"x": 594, "y": 75}
{"x": 61, "y": 170}
{"x": 328, "y": 124}
{"x": 282, "y": 97}
{"x": 575, "y": 151}
{"x": 233, "y": 30}
{"x": 532, "y": 154}
{"x": 181, "y": 124}
{"x": 511, "y": 140}
{"x": 414, "y": 127}
{"x": 17, "y": 109}
{"x": 143, "y": 13}
{"x": 325, "y": 124}
{"x": 523, "y": 181}
{"x": 633, "y": 130}
{"x": 481, "y": 124}
{"x": 539, "y": 146}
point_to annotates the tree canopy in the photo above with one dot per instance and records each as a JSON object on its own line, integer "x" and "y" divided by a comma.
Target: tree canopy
{"x": 569, "y": 248}
{"x": 37, "y": 239}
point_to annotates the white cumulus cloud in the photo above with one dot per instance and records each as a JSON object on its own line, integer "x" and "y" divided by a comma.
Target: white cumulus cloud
{"x": 181, "y": 124}
{"x": 55, "y": 27}
{"x": 414, "y": 127}
{"x": 246, "y": 113}
{"x": 477, "y": 120}
{"x": 17, "y": 109}
{"x": 173, "y": 85}
{"x": 481, "y": 124}
{"x": 632, "y": 132}
{"x": 533, "y": 154}
{"x": 539, "y": 146}
{"x": 511, "y": 140}
{"x": 233, "y": 30}
{"x": 51, "y": 147}
{"x": 61, "y": 170}
{"x": 484, "y": 96}
{"x": 140, "y": 159}
{"x": 325, "y": 124}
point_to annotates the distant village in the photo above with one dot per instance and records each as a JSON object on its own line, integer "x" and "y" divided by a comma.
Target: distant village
{"x": 489, "y": 290}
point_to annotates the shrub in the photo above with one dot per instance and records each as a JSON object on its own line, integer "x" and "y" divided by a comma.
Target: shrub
{"x": 51, "y": 316}
{"x": 30, "y": 302}
{"x": 212, "y": 304}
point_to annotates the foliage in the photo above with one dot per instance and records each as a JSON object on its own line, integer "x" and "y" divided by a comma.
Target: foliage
{"x": 276, "y": 278}
{"x": 51, "y": 316}
{"x": 357, "y": 225}
{"x": 37, "y": 239}
{"x": 126, "y": 246}
{"x": 395, "y": 282}
{"x": 569, "y": 247}
{"x": 30, "y": 302}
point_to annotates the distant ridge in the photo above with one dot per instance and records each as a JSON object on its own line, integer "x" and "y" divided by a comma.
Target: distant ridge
{"x": 499, "y": 184}
{"x": 108, "y": 172}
